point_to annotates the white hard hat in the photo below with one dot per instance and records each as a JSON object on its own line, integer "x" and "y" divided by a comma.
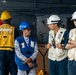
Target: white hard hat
{"x": 74, "y": 16}
{"x": 53, "y": 19}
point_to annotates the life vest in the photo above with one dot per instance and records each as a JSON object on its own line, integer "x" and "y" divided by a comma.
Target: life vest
{"x": 56, "y": 53}
{"x": 72, "y": 52}
{"x": 26, "y": 50}
{"x": 6, "y": 37}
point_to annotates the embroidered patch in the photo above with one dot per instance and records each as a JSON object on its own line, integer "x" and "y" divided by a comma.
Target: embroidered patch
{"x": 23, "y": 45}
{"x": 32, "y": 43}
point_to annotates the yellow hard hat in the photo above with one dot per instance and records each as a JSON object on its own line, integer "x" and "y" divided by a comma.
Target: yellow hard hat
{"x": 41, "y": 72}
{"x": 5, "y": 15}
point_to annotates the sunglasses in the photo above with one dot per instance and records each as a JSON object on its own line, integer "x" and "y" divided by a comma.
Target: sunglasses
{"x": 74, "y": 20}
{"x": 28, "y": 29}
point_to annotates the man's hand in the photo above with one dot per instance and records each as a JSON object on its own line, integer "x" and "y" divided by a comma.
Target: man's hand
{"x": 31, "y": 65}
{"x": 28, "y": 60}
{"x": 48, "y": 46}
{"x": 61, "y": 46}
{"x": 70, "y": 40}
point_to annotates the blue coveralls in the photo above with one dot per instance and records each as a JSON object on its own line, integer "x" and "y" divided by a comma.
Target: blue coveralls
{"x": 26, "y": 50}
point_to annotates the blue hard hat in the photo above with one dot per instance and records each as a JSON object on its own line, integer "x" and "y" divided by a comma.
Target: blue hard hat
{"x": 24, "y": 25}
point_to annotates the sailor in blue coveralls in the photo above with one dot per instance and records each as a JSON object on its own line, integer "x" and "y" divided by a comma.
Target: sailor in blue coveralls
{"x": 55, "y": 43}
{"x": 71, "y": 46}
{"x": 26, "y": 51}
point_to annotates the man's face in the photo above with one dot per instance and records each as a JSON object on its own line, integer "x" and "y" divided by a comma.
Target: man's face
{"x": 27, "y": 32}
{"x": 52, "y": 26}
{"x": 74, "y": 22}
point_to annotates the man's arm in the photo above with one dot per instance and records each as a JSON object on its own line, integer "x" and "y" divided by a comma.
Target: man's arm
{"x": 35, "y": 52}
{"x": 18, "y": 51}
{"x": 71, "y": 44}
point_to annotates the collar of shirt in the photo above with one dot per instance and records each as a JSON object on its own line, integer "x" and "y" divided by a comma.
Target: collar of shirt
{"x": 26, "y": 39}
